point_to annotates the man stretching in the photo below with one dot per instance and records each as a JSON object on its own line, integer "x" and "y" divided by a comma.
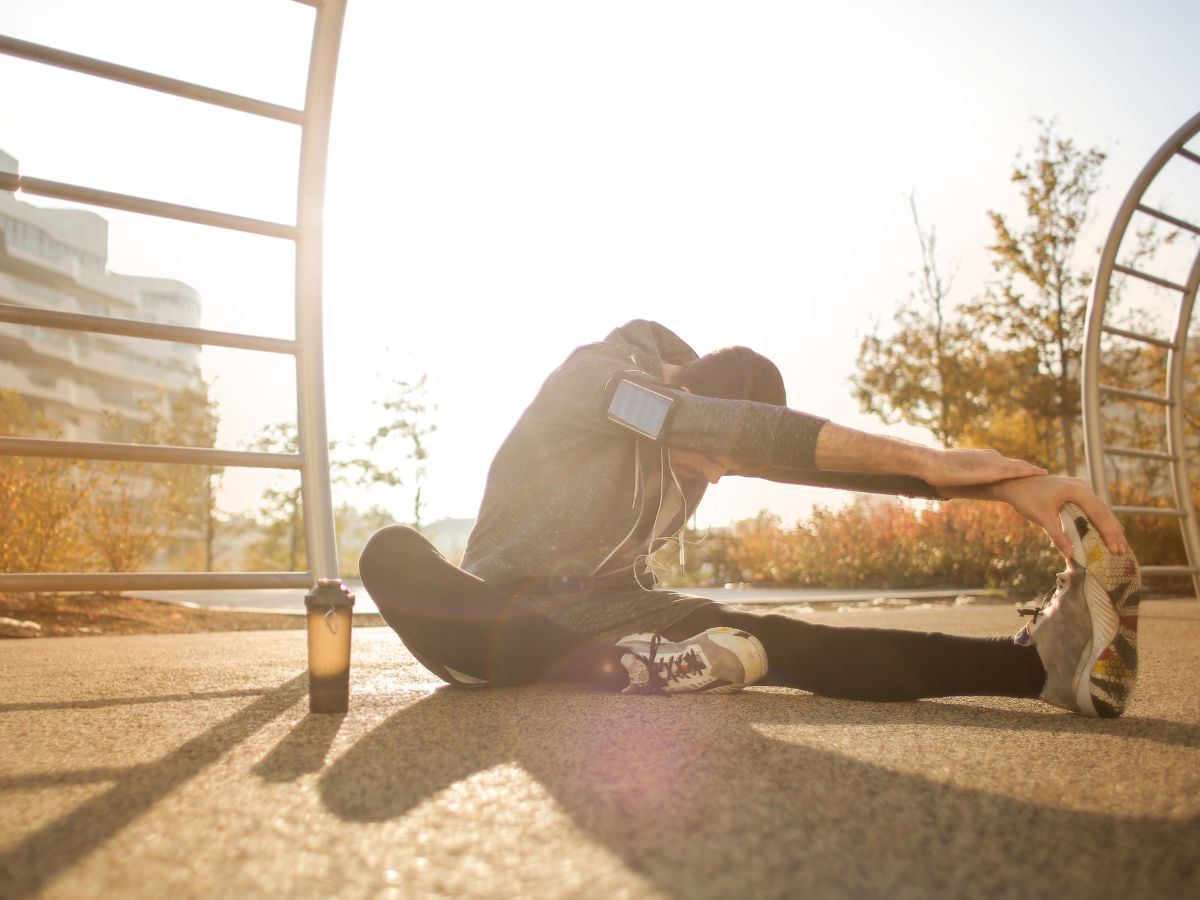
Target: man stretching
{"x": 605, "y": 467}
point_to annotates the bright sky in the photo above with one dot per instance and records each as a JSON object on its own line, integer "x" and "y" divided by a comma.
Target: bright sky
{"x": 509, "y": 180}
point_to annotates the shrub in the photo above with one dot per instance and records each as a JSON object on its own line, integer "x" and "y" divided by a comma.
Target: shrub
{"x": 879, "y": 545}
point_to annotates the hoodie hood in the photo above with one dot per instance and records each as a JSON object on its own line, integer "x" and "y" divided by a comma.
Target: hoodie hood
{"x": 652, "y": 344}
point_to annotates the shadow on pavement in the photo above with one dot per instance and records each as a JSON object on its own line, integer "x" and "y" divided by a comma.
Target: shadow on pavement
{"x": 103, "y": 702}
{"x": 303, "y": 750}
{"x": 692, "y": 794}
{"x": 33, "y": 862}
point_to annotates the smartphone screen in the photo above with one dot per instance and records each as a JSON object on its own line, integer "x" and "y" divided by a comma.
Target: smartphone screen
{"x": 639, "y": 408}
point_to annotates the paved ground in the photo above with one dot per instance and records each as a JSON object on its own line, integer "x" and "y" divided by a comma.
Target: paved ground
{"x": 188, "y": 766}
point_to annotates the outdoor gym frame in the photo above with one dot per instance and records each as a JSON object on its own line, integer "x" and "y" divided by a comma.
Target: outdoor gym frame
{"x": 312, "y": 461}
{"x": 1176, "y": 453}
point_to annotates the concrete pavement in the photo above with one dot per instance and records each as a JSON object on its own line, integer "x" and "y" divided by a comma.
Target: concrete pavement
{"x": 188, "y": 766}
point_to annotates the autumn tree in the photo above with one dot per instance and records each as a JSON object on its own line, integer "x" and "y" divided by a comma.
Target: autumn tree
{"x": 38, "y": 497}
{"x": 931, "y": 370}
{"x": 393, "y": 455}
{"x": 127, "y": 515}
{"x": 280, "y": 543}
{"x": 192, "y": 421}
{"x": 1003, "y": 370}
{"x": 1037, "y": 305}
{"x": 395, "y": 452}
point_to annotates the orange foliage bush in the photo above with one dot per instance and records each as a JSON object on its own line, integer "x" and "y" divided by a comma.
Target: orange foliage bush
{"x": 895, "y": 545}
{"x": 886, "y": 545}
{"x": 904, "y": 545}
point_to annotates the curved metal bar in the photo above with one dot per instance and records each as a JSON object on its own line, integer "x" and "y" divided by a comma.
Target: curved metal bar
{"x": 1094, "y": 327}
{"x": 1176, "y": 434}
{"x": 310, "y": 360}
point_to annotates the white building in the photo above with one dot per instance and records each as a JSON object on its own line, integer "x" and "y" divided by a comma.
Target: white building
{"x": 57, "y": 259}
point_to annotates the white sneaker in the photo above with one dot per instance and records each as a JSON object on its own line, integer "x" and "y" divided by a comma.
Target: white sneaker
{"x": 1086, "y": 632}
{"x": 719, "y": 660}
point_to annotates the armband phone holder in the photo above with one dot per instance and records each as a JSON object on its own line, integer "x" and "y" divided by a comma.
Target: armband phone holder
{"x": 641, "y": 409}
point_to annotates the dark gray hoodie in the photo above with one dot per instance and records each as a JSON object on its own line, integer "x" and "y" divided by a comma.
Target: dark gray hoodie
{"x": 576, "y": 502}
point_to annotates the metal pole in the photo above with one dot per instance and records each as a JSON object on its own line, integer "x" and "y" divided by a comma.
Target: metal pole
{"x": 310, "y": 364}
{"x": 1176, "y": 434}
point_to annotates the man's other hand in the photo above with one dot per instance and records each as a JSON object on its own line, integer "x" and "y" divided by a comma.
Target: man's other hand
{"x": 1040, "y": 498}
{"x": 956, "y": 468}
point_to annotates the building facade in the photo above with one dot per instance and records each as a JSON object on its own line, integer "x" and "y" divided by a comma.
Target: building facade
{"x": 90, "y": 386}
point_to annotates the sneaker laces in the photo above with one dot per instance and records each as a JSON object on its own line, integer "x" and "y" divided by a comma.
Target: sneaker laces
{"x": 672, "y": 668}
{"x": 1062, "y": 582}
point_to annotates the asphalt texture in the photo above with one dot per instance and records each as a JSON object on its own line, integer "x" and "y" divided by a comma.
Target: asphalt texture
{"x": 189, "y": 766}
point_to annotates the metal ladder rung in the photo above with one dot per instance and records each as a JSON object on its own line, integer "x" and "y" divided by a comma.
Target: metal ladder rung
{"x": 56, "y": 448}
{"x": 61, "y": 190}
{"x": 1139, "y": 454}
{"x": 1168, "y": 218}
{"x": 1169, "y": 570}
{"x": 1135, "y": 336}
{"x": 152, "y": 581}
{"x": 49, "y": 318}
{"x": 1170, "y": 512}
{"x": 1136, "y": 395}
{"x": 1153, "y": 279}
{"x": 100, "y": 68}
{"x": 1188, "y": 154}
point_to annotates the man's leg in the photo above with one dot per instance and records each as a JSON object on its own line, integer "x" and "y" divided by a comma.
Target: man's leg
{"x": 450, "y": 619}
{"x": 879, "y": 664}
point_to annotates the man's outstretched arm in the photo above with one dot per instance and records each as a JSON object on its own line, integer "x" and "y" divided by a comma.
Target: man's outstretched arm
{"x": 972, "y": 475}
{"x": 841, "y": 449}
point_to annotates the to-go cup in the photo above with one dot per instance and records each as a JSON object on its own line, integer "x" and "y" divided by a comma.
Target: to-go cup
{"x": 330, "y": 614}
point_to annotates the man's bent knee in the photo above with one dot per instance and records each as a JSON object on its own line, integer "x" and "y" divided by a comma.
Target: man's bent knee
{"x": 390, "y": 548}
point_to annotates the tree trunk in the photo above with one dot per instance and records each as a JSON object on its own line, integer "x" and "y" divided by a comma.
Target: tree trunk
{"x": 209, "y": 523}
{"x": 1068, "y": 436}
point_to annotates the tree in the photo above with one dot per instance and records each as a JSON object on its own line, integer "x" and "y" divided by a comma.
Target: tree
{"x": 400, "y": 439}
{"x": 1037, "y": 306}
{"x": 280, "y": 545}
{"x": 128, "y": 514}
{"x": 115, "y": 516}
{"x": 1004, "y": 370}
{"x": 38, "y": 497}
{"x": 191, "y": 420}
{"x": 932, "y": 371}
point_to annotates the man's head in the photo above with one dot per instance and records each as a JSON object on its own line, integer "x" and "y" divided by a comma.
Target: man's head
{"x": 734, "y": 373}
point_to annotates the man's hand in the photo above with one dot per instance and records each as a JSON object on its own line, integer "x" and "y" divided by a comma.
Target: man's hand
{"x": 1040, "y": 499}
{"x": 953, "y": 468}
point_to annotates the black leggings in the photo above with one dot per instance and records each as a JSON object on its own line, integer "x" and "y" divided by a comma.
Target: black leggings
{"x": 450, "y": 619}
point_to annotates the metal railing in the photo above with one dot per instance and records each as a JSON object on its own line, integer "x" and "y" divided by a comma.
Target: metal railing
{"x": 312, "y": 461}
{"x": 1176, "y": 454}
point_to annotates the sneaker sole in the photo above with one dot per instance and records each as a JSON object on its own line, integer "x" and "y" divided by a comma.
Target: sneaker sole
{"x": 1107, "y": 670}
{"x": 756, "y": 667}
